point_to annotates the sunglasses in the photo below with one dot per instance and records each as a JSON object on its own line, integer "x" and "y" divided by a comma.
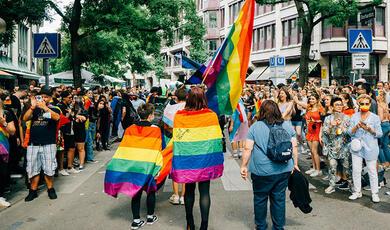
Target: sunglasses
{"x": 362, "y": 104}
{"x": 338, "y": 104}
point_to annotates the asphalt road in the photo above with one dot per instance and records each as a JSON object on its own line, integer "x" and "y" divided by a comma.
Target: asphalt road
{"x": 81, "y": 204}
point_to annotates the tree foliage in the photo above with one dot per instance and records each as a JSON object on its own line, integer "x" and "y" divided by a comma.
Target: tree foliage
{"x": 114, "y": 35}
{"x": 313, "y": 12}
{"x": 19, "y": 11}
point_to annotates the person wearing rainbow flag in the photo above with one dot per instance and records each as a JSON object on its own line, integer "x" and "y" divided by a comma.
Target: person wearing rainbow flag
{"x": 136, "y": 166}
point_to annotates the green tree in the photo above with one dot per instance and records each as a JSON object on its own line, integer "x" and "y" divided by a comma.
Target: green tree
{"x": 20, "y": 11}
{"x": 116, "y": 32}
{"x": 313, "y": 12}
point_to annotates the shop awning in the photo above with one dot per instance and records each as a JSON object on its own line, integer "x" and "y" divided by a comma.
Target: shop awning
{"x": 25, "y": 75}
{"x": 7, "y": 76}
{"x": 113, "y": 79}
{"x": 256, "y": 73}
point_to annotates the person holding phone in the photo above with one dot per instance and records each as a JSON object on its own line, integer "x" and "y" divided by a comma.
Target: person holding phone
{"x": 42, "y": 149}
{"x": 365, "y": 130}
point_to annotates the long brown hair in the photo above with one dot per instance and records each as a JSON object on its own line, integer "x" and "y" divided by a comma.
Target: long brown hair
{"x": 270, "y": 113}
{"x": 196, "y": 99}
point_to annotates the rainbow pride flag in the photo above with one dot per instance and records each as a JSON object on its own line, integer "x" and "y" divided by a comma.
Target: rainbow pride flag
{"x": 4, "y": 145}
{"x": 197, "y": 146}
{"x": 136, "y": 162}
{"x": 240, "y": 123}
{"x": 256, "y": 109}
{"x": 226, "y": 73}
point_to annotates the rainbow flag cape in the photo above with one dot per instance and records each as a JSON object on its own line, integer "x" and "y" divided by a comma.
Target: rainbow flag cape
{"x": 4, "y": 145}
{"x": 136, "y": 162}
{"x": 167, "y": 155}
{"x": 226, "y": 73}
{"x": 240, "y": 123}
{"x": 197, "y": 146}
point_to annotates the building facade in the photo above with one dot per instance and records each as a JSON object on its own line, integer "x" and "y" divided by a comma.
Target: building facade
{"x": 276, "y": 33}
{"x": 17, "y": 60}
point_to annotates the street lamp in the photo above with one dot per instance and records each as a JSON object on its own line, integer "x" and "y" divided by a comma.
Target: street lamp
{"x": 3, "y": 25}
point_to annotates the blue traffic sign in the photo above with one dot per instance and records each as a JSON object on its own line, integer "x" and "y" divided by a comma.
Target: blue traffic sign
{"x": 47, "y": 45}
{"x": 276, "y": 61}
{"x": 360, "y": 40}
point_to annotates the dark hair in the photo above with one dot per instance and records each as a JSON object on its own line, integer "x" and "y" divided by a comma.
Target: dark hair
{"x": 270, "y": 113}
{"x": 335, "y": 99}
{"x": 349, "y": 98}
{"x": 181, "y": 94}
{"x": 285, "y": 90}
{"x": 145, "y": 110}
{"x": 196, "y": 99}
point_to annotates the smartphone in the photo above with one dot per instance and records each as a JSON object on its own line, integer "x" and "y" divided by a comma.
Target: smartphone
{"x": 39, "y": 98}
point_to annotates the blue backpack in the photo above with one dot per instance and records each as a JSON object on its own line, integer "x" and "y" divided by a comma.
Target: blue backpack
{"x": 279, "y": 148}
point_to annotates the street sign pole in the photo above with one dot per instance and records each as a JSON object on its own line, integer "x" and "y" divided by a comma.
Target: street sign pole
{"x": 46, "y": 71}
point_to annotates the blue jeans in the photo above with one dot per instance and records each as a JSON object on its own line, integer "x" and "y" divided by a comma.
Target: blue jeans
{"x": 91, "y": 132}
{"x": 384, "y": 154}
{"x": 274, "y": 188}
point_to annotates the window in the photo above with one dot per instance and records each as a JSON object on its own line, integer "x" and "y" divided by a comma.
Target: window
{"x": 211, "y": 19}
{"x": 291, "y": 32}
{"x": 6, "y": 52}
{"x": 333, "y": 31}
{"x": 234, "y": 9}
{"x": 288, "y": 3}
{"x": 199, "y": 5}
{"x": 379, "y": 25}
{"x": 222, "y": 18}
{"x": 264, "y": 38}
{"x": 22, "y": 44}
{"x": 212, "y": 46}
{"x": 262, "y": 9}
{"x": 177, "y": 36}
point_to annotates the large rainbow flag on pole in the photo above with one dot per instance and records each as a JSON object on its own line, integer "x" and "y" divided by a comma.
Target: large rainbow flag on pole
{"x": 136, "y": 162}
{"x": 226, "y": 73}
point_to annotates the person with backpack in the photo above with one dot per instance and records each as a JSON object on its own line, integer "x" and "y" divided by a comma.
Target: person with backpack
{"x": 272, "y": 155}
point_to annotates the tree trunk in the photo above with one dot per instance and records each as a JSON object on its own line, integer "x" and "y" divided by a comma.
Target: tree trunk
{"x": 74, "y": 27}
{"x": 304, "y": 59}
{"x": 76, "y": 62}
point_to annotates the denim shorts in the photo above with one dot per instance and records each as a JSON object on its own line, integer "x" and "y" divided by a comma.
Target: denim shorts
{"x": 296, "y": 123}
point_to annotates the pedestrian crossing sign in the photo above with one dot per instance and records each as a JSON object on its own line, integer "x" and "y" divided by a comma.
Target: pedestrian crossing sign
{"x": 360, "y": 40}
{"x": 47, "y": 45}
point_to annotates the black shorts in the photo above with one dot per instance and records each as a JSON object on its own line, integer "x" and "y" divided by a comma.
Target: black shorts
{"x": 69, "y": 142}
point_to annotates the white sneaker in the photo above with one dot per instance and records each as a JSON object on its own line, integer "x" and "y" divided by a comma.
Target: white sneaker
{"x": 174, "y": 199}
{"x": 235, "y": 154}
{"x": 375, "y": 198}
{"x": 326, "y": 177}
{"x": 310, "y": 171}
{"x": 16, "y": 176}
{"x": 63, "y": 172}
{"x": 4, "y": 203}
{"x": 355, "y": 195}
{"x": 73, "y": 171}
{"x": 316, "y": 174}
{"x": 182, "y": 200}
{"x": 330, "y": 190}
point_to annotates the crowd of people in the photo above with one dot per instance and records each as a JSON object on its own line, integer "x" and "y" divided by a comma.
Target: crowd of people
{"x": 344, "y": 128}
{"x": 50, "y": 132}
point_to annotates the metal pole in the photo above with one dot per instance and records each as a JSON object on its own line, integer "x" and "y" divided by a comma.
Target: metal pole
{"x": 46, "y": 71}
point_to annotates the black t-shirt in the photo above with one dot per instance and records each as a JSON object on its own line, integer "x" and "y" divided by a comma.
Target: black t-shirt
{"x": 15, "y": 104}
{"x": 43, "y": 130}
{"x": 66, "y": 129}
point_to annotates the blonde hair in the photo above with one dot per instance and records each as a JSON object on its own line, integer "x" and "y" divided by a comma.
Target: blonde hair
{"x": 364, "y": 97}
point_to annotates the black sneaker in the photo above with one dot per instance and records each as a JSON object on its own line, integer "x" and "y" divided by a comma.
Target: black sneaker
{"x": 52, "y": 194}
{"x": 138, "y": 225}
{"x": 344, "y": 186}
{"x": 32, "y": 194}
{"x": 152, "y": 220}
{"x": 340, "y": 182}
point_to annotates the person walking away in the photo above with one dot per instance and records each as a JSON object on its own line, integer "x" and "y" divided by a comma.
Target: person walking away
{"x": 79, "y": 123}
{"x": 7, "y": 128}
{"x": 335, "y": 138}
{"x": 136, "y": 164}
{"x": 365, "y": 130}
{"x": 41, "y": 152}
{"x": 197, "y": 128}
{"x": 269, "y": 178}
{"x": 103, "y": 124}
{"x": 168, "y": 117}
